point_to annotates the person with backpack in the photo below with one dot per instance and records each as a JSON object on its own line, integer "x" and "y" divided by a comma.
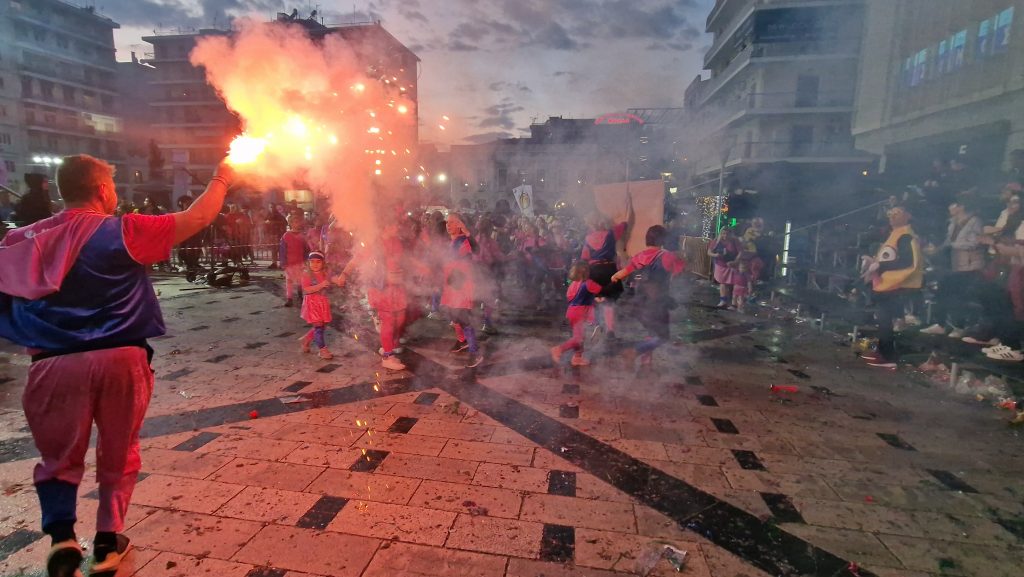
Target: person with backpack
{"x": 656, "y": 267}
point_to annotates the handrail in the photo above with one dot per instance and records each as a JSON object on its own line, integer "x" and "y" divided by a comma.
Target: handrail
{"x": 9, "y": 191}
{"x": 837, "y": 217}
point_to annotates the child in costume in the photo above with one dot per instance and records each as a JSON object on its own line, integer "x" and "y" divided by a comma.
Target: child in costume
{"x": 316, "y": 307}
{"x": 457, "y": 293}
{"x": 293, "y": 252}
{"x": 581, "y": 294}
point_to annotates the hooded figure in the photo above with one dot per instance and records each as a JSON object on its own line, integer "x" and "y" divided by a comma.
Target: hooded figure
{"x": 35, "y": 204}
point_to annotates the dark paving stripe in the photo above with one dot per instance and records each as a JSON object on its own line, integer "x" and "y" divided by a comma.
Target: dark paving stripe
{"x": 328, "y": 368}
{"x": 570, "y": 389}
{"x": 369, "y": 461}
{"x": 562, "y": 483}
{"x": 178, "y": 374}
{"x": 297, "y": 386}
{"x": 558, "y": 544}
{"x": 17, "y": 541}
{"x": 1015, "y": 526}
{"x": 403, "y": 425}
{"x": 714, "y": 334}
{"x": 799, "y": 374}
{"x": 748, "y": 460}
{"x": 569, "y": 411}
{"x": 780, "y": 360}
{"x": 426, "y": 399}
{"x": 515, "y": 367}
{"x": 218, "y": 358}
{"x": 743, "y": 534}
{"x": 253, "y": 346}
{"x": 707, "y": 400}
{"x": 196, "y": 442}
{"x": 896, "y": 441}
{"x": 230, "y": 319}
{"x": 695, "y": 381}
{"x": 782, "y": 508}
{"x": 254, "y": 313}
{"x": 951, "y": 481}
{"x": 284, "y": 334}
{"x": 266, "y": 572}
{"x": 199, "y": 328}
{"x": 725, "y": 426}
{"x": 235, "y": 297}
{"x": 322, "y": 513}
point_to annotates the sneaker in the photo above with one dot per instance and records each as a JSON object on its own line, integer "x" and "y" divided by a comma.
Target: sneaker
{"x": 325, "y": 354}
{"x": 402, "y": 340}
{"x": 106, "y": 561}
{"x": 289, "y": 303}
{"x": 392, "y": 363}
{"x": 1010, "y": 355}
{"x": 398, "y": 350}
{"x": 974, "y": 341}
{"x": 556, "y": 355}
{"x": 912, "y": 321}
{"x": 489, "y": 330}
{"x": 474, "y": 360}
{"x": 956, "y": 333}
{"x": 579, "y": 361}
{"x": 64, "y": 559}
{"x": 996, "y": 349}
{"x": 459, "y": 346}
{"x": 935, "y": 329}
{"x": 882, "y": 364}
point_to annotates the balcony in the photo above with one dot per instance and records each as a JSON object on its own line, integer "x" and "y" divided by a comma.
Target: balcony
{"x": 64, "y": 75}
{"x": 794, "y": 151}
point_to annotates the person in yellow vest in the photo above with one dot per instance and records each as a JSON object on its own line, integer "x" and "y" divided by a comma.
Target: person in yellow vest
{"x": 895, "y": 273}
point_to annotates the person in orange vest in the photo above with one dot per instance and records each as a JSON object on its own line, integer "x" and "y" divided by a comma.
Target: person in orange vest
{"x": 895, "y": 273}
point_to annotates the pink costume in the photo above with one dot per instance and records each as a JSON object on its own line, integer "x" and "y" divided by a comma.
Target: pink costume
{"x": 293, "y": 257}
{"x": 316, "y": 307}
{"x": 580, "y": 312}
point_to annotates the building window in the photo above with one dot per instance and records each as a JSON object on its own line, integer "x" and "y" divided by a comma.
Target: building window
{"x": 502, "y": 177}
{"x": 983, "y": 45}
{"x": 5, "y": 138}
{"x": 1004, "y": 23}
{"x": 62, "y": 42}
{"x": 958, "y": 47}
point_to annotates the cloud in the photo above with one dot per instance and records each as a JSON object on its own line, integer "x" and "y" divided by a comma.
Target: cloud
{"x": 555, "y": 37}
{"x": 501, "y": 115}
{"x": 151, "y": 13}
{"x": 488, "y": 137}
{"x": 460, "y": 46}
{"x": 502, "y": 86}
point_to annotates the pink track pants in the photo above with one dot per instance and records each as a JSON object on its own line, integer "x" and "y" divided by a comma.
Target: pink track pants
{"x": 63, "y": 396}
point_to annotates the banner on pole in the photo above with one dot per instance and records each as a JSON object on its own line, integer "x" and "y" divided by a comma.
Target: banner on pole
{"x": 523, "y": 195}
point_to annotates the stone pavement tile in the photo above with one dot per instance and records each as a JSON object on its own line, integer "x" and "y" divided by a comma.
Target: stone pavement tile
{"x": 360, "y": 420}
{"x": 488, "y": 452}
{"x": 600, "y": 430}
{"x": 766, "y": 482}
{"x": 967, "y": 559}
{"x": 450, "y": 430}
{"x": 1001, "y": 485}
{"x": 798, "y": 464}
{"x": 268, "y": 505}
{"x": 643, "y": 450}
{"x": 749, "y": 443}
{"x": 878, "y": 519}
{"x": 590, "y": 487}
{"x": 369, "y": 486}
{"x": 321, "y": 416}
{"x": 749, "y": 501}
{"x": 177, "y": 565}
{"x": 639, "y": 431}
{"x": 508, "y": 437}
{"x": 465, "y": 498}
{"x": 184, "y": 494}
{"x": 625, "y": 552}
{"x": 575, "y": 512}
{"x": 722, "y": 563}
{"x": 532, "y": 568}
{"x": 699, "y": 476}
{"x": 399, "y": 443}
{"x": 921, "y": 498}
{"x": 423, "y": 412}
{"x": 319, "y": 455}
{"x": 545, "y": 459}
{"x": 286, "y": 476}
{"x": 512, "y": 477}
{"x": 182, "y": 463}
{"x": 193, "y": 533}
{"x": 862, "y": 548}
{"x": 408, "y": 560}
{"x": 320, "y": 552}
{"x": 323, "y": 434}
{"x": 651, "y": 523}
{"x": 255, "y": 427}
{"x": 250, "y": 447}
{"x": 701, "y": 455}
{"x": 394, "y": 522}
{"x": 434, "y": 468}
{"x": 498, "y": 536}
{"x": 165, "y": 441}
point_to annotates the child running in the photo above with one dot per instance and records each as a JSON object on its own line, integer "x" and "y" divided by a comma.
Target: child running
{"x": 293, "y": 253}
{"x": 316, "y": 307}
{"x": 599, "y": 250}
{"x": 581, "y": 294}
{"x": 656, "y": 266}
{"x": 457, "y": 294}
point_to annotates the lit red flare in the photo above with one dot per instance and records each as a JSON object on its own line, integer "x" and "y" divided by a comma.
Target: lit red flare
{"x": 245, "y": 149}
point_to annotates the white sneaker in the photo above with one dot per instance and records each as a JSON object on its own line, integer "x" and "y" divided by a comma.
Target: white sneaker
{"x": 974, "y": 341}
{"x": 392, "y": 363}
{"x": 996, "y": 349}
{"x": 1010, "y": 355}
{"x": 396, "y": 350}
{"x": 402, "y": 340}
{"x": 935, "y": 329}
{"x": 956, "y": 334}
{"x": 912, "y": 321}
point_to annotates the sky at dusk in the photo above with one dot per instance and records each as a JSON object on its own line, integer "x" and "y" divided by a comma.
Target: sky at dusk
{"x": 492, "y": 66}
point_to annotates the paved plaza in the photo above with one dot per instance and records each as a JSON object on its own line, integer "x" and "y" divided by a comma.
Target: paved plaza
{"x": 259, "y": 461}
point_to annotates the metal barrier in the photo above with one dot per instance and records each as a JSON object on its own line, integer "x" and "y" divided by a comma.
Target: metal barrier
{"x": 695, "y": 251}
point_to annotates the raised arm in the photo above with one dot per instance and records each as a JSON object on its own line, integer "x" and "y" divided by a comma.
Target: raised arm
{"x": 204, "y": 210}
